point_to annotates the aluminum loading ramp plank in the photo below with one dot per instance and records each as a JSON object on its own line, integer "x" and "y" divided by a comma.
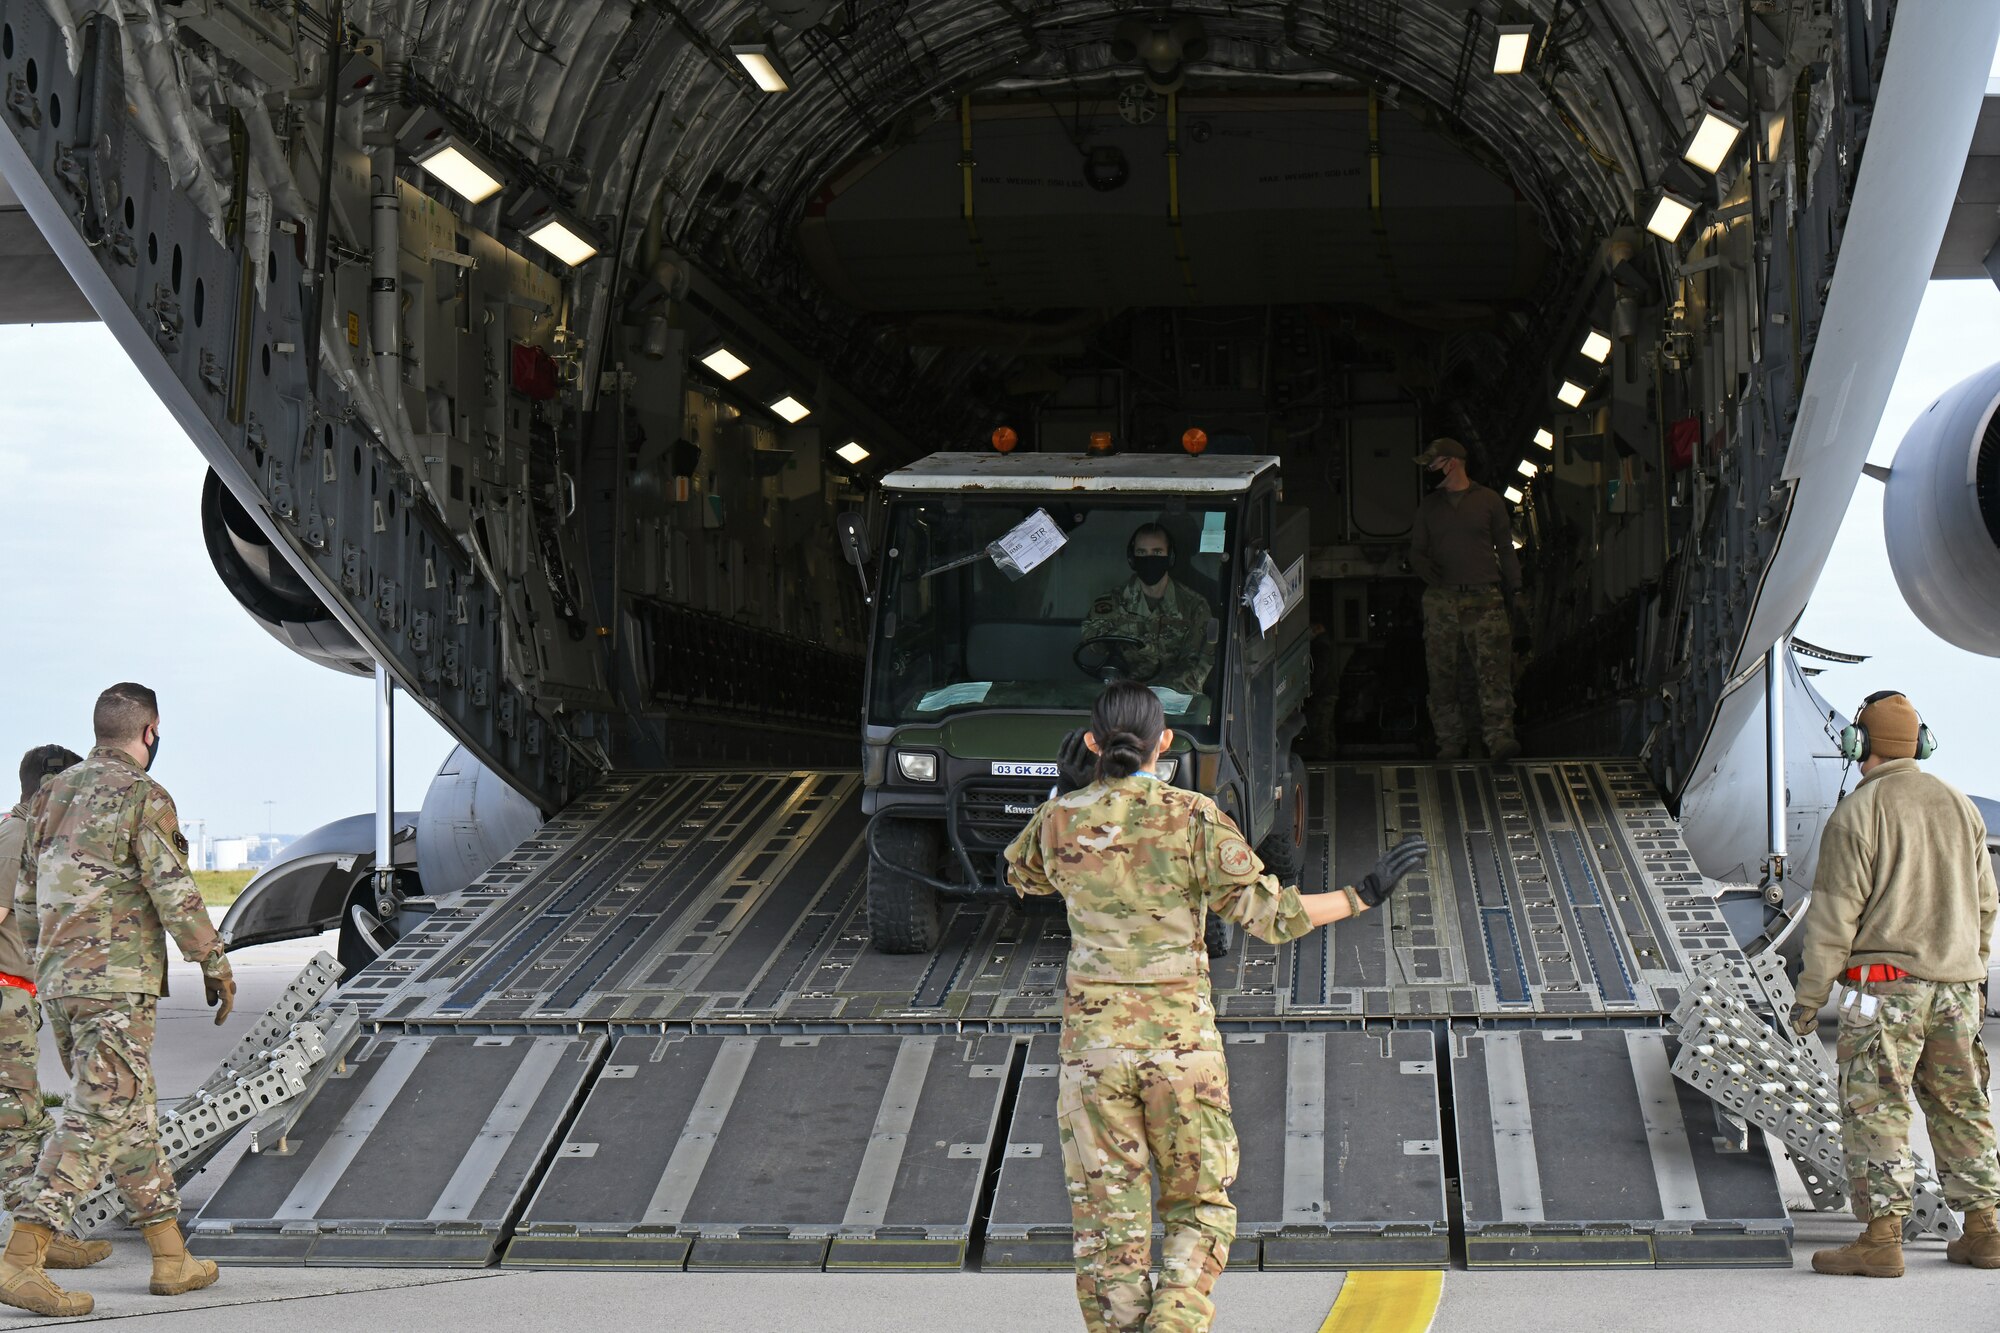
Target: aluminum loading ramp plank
{"x": 836, "y": 1152}
{"x": 1342, "y": 1160}
{"x": 734, "y": 902}
{"x": 418, "y": 1153}
{"x": 1581, "y": 1149}
{"x": 746, "y": 1083}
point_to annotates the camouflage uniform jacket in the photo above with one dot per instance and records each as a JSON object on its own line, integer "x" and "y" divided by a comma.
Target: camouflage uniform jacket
{"x": 1139, "y": 865}
{"x": 13, "y": 832}
{"x": 104, "y": 881}
{"x": 1174, "y": 631}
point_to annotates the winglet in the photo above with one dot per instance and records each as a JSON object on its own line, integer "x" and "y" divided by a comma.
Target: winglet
{"x": 1877, "y": 471}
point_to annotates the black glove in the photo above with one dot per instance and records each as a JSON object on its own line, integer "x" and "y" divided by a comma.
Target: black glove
{"x": 1075, "y": 764}
{"x": 1805, "y": 1020}
{"x": 1397, "y": 862}
{"x": 218, "y": 982}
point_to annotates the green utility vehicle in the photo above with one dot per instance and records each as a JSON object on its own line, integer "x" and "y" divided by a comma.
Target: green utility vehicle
{"x": 1008, "y": 590}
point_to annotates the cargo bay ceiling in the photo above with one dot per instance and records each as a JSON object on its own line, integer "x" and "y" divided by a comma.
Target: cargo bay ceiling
{"x": 511, "y": 476}
{"x": 847, "y": 196}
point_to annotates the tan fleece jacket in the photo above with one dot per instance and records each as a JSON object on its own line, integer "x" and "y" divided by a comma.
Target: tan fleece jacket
{"x": 1904, "y": 878}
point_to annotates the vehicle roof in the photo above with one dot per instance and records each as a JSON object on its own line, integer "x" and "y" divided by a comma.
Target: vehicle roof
{"x": 1186, "y": 474}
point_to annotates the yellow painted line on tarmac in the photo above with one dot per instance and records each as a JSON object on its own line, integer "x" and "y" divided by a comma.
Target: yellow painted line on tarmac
{"x": 1392, "y": 1301}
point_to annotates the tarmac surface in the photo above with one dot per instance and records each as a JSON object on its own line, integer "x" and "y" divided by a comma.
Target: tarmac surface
{"x": 1935, "y": 1296}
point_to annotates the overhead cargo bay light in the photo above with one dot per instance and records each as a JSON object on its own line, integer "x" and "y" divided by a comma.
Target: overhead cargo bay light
{"x": 1513, "y": 494}
{"x": 758, "y": 54}
{"x": 565, "y": 238}
{"x": 791, "y": 409}
{"x": 725, "y": 362}
{"x": 1713, "y": 139}
{"x": 460, "y": 167}
{"x": 1510, "y": 47}
{"x": 1597, "y": 347}
{"x": 851, "y": 453}
{"x": 1546, "y": 439}
{"x": 1571, "y": 393}
{"x": 1670, "y": 216}
{"x": 1526, "y": 468}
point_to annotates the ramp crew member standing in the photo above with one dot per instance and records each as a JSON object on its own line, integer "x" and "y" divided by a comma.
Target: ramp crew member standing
{"x": 1462, "y": 546}
{"x": 24, "y": 1120}
{"x": 104, "y": 880}
{"x": 1139, "y": 864}
{"x": 1167, "y": 621}
{"x": 1903, "y": 906}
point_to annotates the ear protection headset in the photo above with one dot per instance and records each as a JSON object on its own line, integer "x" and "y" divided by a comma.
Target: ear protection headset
{"x": 1854, "y": 745}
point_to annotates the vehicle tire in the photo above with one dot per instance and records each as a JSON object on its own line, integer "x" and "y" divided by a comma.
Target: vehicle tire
{"x": 1218, "y": 935}
{"x": 903, "y": 915}
{"x": 1283, "y": 849}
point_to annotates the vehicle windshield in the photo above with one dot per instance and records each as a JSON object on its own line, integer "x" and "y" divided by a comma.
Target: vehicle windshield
{"x": 1035, "y": 602}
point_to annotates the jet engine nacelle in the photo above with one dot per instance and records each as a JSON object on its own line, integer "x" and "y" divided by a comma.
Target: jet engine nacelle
{"x": 264, "y": 584}
{"x": 1941, "y": 515}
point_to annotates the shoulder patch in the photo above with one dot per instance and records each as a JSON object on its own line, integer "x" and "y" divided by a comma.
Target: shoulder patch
{"x": 1103, "y": 606}
{"x": 1236, "y": 857}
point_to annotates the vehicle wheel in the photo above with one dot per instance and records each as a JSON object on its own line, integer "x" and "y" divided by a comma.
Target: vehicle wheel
{"x": 1218, "y": 935}
{"x": 902, "y": 910}
{"x": 363, "y": 935}
{"x": 1283, "y": 850}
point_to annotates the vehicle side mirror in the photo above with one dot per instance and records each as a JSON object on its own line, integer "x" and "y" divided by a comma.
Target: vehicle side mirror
{"x": 853, "y": 529}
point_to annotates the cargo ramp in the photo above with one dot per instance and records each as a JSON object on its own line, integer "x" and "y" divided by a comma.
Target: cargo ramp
{"x": 656, "y": 1036}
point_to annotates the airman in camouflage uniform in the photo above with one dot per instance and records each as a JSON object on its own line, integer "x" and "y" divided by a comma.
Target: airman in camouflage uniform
{"x": 24, "y": 1119}
{"x": 1461, "y": 545}
{"x": 1169, "y": 620}
{"x": 1139, "y": 865}
{"x": 103, "y": 882}
{"x": 1903, "y": 907}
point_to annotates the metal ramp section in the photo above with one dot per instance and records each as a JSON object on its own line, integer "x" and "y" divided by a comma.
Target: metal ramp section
{"x": 418, "y": 1151}
{"x": 734, "y": 902}
{"x": 656, "y": 1036}
{"x": 1581, "y": 1149}
{"x": 1342, "y": 1156}
{"x": 1555, "y": 889}
{"x": 836, "y": 1152}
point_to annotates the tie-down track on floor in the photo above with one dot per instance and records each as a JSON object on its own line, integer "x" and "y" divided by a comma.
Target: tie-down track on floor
{"x": 656, "y": 1036}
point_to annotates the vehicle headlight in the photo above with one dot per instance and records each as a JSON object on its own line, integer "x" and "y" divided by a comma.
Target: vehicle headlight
{"x": 1166, "y": 769}
{"x": 916, "y": 765}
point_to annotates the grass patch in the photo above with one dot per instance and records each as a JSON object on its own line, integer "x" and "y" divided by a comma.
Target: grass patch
{"x": 220, "y": 887}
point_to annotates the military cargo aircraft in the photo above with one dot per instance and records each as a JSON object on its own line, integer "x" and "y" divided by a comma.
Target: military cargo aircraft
{"x": 538, "y": 347}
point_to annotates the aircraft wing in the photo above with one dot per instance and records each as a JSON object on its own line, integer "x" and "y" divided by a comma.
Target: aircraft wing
{"x": 34, "y": 286}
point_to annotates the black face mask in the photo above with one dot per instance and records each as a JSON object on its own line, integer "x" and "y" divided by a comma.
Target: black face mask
{"x": 152, "y": 750}
{"x": 1151, "y": 568}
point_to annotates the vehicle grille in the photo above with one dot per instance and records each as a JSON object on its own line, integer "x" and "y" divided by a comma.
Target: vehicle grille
{"x": 988, "y": 815}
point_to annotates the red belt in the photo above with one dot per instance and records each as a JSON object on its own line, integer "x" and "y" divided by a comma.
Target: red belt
{"x": 1876, "y": 972}
{"x": 19, "y": 983}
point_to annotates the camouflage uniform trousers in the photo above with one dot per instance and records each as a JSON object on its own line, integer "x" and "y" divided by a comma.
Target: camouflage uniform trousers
{"x": 1119, "y": 1111}
{"x": 24, "y": 1120}
{"x": 110, "y": 1124}
{"x": 1469, "y": 625}
{"x": 1923, "y": 1037}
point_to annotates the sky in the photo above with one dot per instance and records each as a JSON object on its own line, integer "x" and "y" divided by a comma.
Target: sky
{"x": 106, "y": 579}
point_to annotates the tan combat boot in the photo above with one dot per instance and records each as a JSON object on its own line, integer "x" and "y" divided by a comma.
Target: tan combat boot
{"x": 25, "y": 1285}
{"x": 66, "y": 1251}
{"x": 1980, "y": 1245}
{"x": 1876, "y": 1252}
{"x": 175, "y": 1271}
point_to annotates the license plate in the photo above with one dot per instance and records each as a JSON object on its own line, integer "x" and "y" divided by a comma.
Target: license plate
{"x": 1007, "y": 770}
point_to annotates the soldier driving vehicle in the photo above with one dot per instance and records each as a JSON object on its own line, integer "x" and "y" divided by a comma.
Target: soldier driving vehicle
{"x": 993, "y": 636}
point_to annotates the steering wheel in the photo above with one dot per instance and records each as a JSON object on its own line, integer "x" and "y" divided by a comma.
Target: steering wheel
{"x": 1112, "y": 663}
